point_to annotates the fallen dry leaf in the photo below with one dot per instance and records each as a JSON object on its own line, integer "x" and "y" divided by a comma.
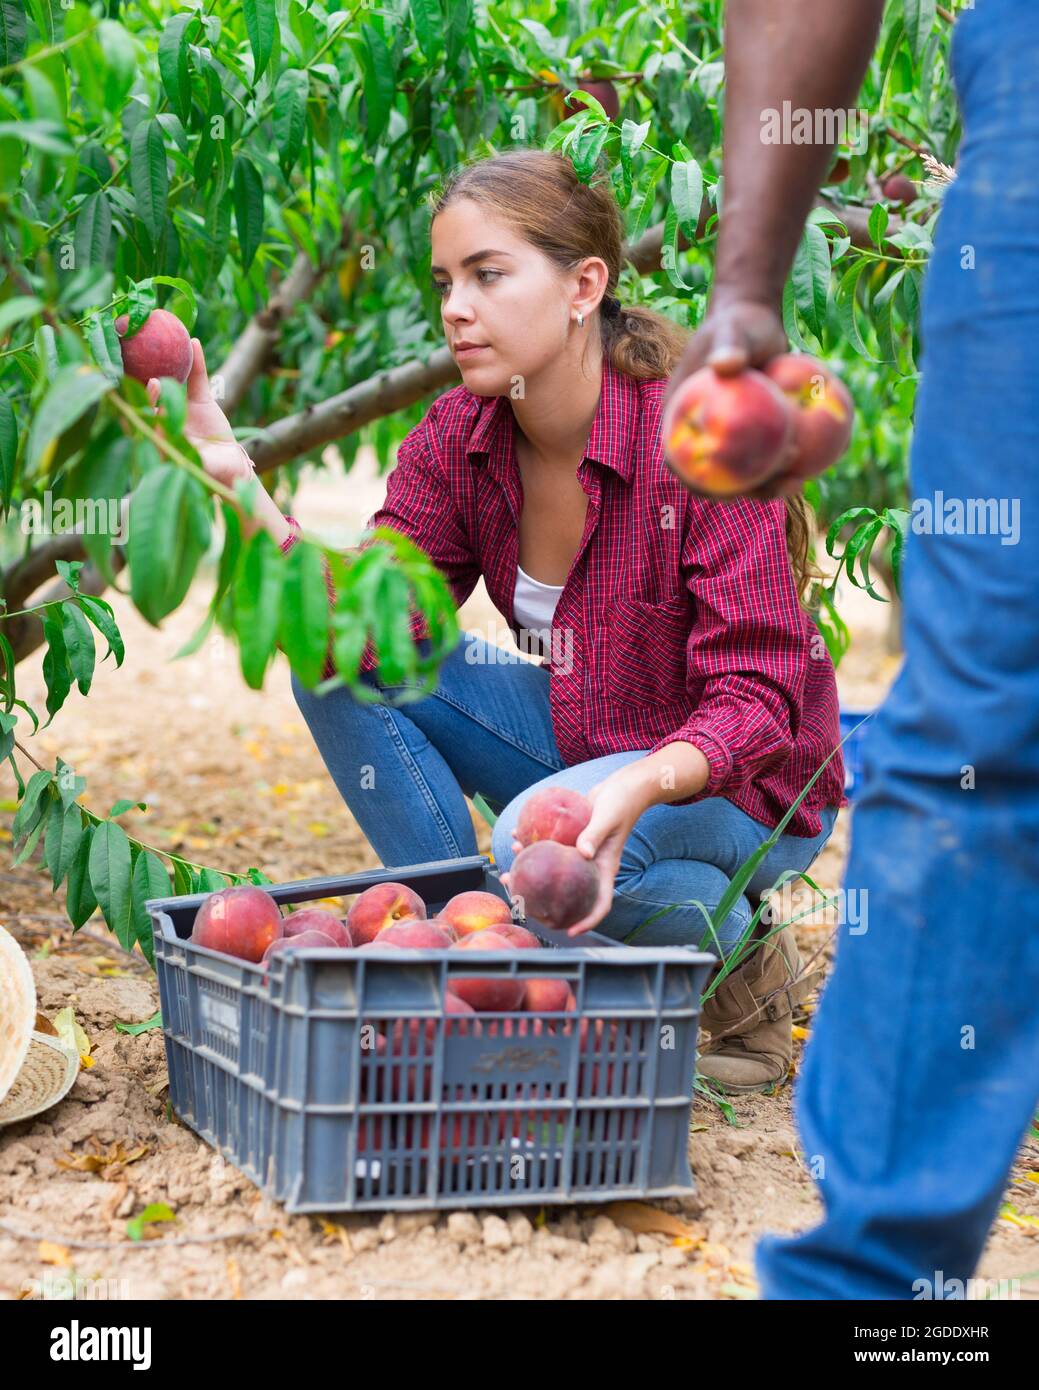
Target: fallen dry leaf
{"x": 98, "y": 1160}
{"x": 44, "y": 1025}
{"x": 73, "y": 1036}
{"x": 333, "y": 1231}
{"x": 52, "y": 1254}
{"x": 644, "y": 1219}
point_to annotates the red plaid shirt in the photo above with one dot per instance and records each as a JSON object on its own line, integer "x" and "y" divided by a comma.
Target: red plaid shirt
{"x": 680, "y": 615}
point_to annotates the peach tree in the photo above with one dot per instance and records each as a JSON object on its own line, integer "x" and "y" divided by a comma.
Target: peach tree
{"x": 259, "y": 170}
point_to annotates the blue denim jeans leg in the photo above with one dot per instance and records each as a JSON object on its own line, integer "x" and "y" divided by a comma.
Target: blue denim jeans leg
{"x": 405, "y": 771}
{"x": 922, "y": 1071}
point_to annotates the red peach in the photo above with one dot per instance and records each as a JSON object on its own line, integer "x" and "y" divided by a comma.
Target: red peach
{"x": 489, "y": 993}
{"x": 160, "y": 347}
{"x": 380, "y": 906}
{"x": 241, "y": 921}
{"x": 555, "y": 813}
{"x": 415, "y": 1038}
{"x": 473, "y": 911}
{"x": 317, "y": 919}
{"x": 724, "y": 436}
{"x": 547, "y": 996}
{"x": 517, "y": 936}
{"x": 822, "y": 408}
{"x": 414, "y": 936}
{"x": 556, "y": 884}
{"x": 445, "y": 925}
{"x": 299, "y": 942}
{"x": 899, "y": 188}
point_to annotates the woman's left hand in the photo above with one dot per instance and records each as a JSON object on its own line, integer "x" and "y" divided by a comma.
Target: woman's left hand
{"x": 617, "y": 803}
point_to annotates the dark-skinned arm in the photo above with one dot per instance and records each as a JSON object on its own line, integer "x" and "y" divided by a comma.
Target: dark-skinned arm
{"x": 814, "y": 54}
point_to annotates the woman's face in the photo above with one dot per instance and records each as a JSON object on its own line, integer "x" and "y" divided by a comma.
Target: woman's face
{"x": 504, "y": 297}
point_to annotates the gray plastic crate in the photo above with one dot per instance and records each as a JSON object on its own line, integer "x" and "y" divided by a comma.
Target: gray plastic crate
{"x": 285, "y": 1075}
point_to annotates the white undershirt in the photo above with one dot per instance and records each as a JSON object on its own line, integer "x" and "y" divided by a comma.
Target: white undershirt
{"x": 534, "y": 604}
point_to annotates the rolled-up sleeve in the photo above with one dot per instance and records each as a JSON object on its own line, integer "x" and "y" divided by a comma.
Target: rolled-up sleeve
{"x": 419, "y": 505}
{"x": 749, "y": 648}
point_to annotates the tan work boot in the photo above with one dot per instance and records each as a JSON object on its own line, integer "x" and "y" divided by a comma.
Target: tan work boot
{"x": 749, "y": 1018}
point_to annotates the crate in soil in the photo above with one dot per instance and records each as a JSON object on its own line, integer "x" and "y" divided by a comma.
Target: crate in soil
{"x": 337, "y": 1081}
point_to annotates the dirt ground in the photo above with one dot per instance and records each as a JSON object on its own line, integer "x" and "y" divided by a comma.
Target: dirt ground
{"x": 232, "y": 778}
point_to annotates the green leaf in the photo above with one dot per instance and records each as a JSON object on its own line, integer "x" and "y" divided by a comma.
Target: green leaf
{"x": 290, "y": 116}
{"x": 17, "y": 309}
{"x": 79, "y": 645}
{"x": 122, "y": 56}
{"x": 643, "y": 201}
{"x": 168, "y": 534}
{"x": 379, "y": 83}
{"x": 101, "y": 615}
{"x": 62, "y": 841}
{"x": 257, "y": 602}
{"x": 125, "y": 804}
{"x": 181, "y": 876}
{"x": 12, "y": 32}
{"x": 304, "y": 625}
{"x": 793, "y": 330}
{"x": 878, "y": 220}
{"x": 8, "y": 452}
{"x": 148, "y": 176}
{"x": 7, "y": 727}
{"x": 155, "y": 1211}
{"x": 31, "y": 842}
{"x": 485, "y": 810}
{"x": 845, "y": 299}
{"x": 68, "y": 784}
{"x": 173, "y": 63}
{"x": 687, "y": 196}
{"x": 248, "y": 208}
{"x": 429, "y": 28}
{"x": 459, "y": 26}
{"x": 260, "y": 21}
{"x": 110, "y": 879}
{"x": 919, "y": 21}
{"x": 31, "y": 807}
{"x": 149, "y": 1023}
{"x": 80, "y": 901}
{"x": 56, "y": 670}
{"x": 73, "y": 390}
{"x": 187, "y": 311}
{"x": 47, "y": 136}
{"x": 669, "y": 252}
{"x": 150, "y": 880}
{"x": 811, "y": 277}
{"x": 104, "y": 343}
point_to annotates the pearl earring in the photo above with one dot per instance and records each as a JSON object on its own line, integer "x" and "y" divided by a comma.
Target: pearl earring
{"x": 580, "y": 319}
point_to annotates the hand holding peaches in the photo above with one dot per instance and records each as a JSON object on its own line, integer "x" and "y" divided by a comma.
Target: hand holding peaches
{"x": 745, "y": 417}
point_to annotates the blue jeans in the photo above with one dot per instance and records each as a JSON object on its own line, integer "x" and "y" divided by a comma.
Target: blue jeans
{"x": 404, "y": 772}
{"x": 922, "y": 1072}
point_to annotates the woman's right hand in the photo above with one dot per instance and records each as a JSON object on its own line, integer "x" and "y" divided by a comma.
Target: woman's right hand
{"x": 206, "y": 426}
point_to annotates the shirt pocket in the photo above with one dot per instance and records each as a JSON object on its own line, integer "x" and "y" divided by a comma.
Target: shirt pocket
{"x": 646, "y": 660}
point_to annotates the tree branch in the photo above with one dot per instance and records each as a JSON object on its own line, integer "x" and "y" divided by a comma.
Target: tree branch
{"x": 26, "y": 575}
{"x": 25, "y": 633}
{"x": 351, "y": 409}
{"x": 249, "y": 354}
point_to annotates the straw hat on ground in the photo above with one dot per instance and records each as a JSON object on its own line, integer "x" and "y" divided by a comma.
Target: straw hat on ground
{"x": 35, "y": 1070}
